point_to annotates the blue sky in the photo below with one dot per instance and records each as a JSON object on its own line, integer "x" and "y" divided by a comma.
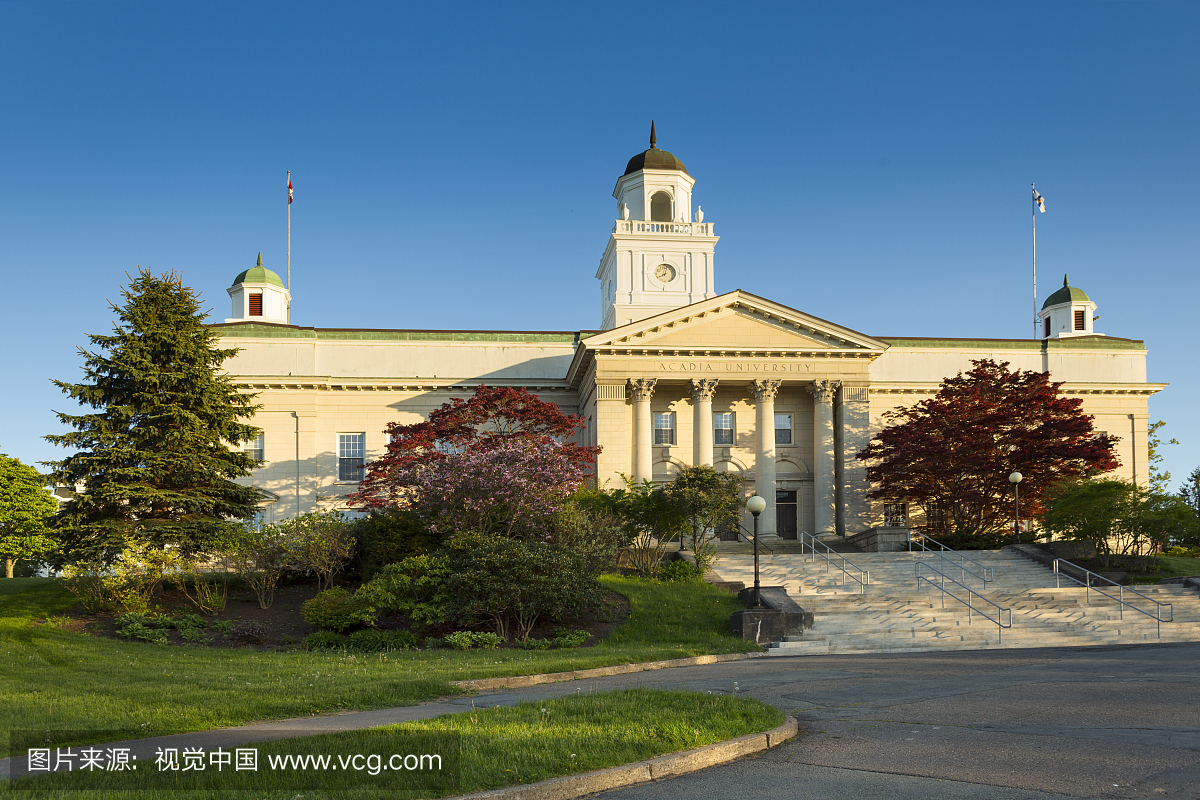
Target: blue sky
{"x": 868, "y": 163}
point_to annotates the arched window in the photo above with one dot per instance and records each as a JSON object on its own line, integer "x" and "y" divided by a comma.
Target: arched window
{"x": 660, "y": 207}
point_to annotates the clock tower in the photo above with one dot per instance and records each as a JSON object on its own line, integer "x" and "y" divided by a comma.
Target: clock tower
{"x": 658, "y": 257}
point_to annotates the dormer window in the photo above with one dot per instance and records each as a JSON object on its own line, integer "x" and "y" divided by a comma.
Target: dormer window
{"x": 256, "y": 305}
{"x": 1079, "y": 320}
{"x": 660, "y": 207}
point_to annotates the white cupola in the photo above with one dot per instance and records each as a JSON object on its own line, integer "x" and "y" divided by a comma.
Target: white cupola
{"x": 657, "y": 258}
{"x": 259, "y": 296}
{"x": 1068, "y": 312}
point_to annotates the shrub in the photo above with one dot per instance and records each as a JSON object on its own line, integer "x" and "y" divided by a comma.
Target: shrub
{"x": 130, "y": 618}
{"x": 323, "y": 641}
{"x": 415, "y": 587}
{"x": 535, "y": 644}
{"x": 247, "y": 631}
{"x": 434, "y": 642}
{"x": 564, "y": 638}
{"x": 193, "y": 635}
{"x": 86, "y": 580}
{"x": 57, "y": 623}
{"x": 465, "y": 640}
{"x": 259, "y": 555}
{"x": 373, "y": 640}
{"x": 223, "y": 625}
{"x": 184, "y": 622}
{"x": 388, "y": 537}
{"x": 137, "y": 630}
{"x": 515, "y": 583}
{"x": 674, "y": 571}
{"x": 208, "y": 594}
{"x": 320, "y": 542}
{"x": 335, "y": 610}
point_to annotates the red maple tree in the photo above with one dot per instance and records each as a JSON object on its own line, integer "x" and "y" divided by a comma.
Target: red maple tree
{"x": 955, "y": 451}
{"x": 491, "y": 417}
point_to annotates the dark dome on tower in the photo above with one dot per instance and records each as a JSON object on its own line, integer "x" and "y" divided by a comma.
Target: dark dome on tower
{"x": 654, "y": 158}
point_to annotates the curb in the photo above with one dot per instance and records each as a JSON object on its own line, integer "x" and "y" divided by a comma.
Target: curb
{"x": 521, "y": 681}
{"x": 654, "y": 769}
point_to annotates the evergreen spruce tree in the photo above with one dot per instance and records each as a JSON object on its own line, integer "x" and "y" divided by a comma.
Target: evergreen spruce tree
{"x": 154, "y": 462}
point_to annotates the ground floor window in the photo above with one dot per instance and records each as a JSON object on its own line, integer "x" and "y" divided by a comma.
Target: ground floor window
{"x": 723, "y": 429}
{"x": 664, "y": 428}
{"x": 352, "y": 451}
{"x": 895, "y": 514}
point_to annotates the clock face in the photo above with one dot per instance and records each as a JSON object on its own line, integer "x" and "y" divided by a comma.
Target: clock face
{"x": 665, "y": 273}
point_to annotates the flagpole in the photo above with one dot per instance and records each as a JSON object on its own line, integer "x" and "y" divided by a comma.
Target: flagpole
{"x": 289, "y": 249}
{"x": 1033, "y": 223}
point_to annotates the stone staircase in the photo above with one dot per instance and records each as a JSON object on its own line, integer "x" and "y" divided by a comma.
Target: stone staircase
{"x": 893, "y": 616}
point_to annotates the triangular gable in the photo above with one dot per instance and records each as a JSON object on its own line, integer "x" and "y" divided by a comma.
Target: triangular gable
{"x": 735, "y": 321}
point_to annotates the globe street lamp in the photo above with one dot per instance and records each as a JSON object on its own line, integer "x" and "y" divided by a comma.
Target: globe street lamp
{"x": 756, "y": 505}
{"x": 1015, "y": 480}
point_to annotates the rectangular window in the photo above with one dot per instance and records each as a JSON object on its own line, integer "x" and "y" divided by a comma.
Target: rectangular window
{"x": 1046, "y": 328}
{"x": 895, "y": 514}
{"x": 723, "y": 429}
{"x": 664, "y": 428}
{"x": 352, "y": 451}
{"x": 256, "y": 305}
{"x": 935, "y": 519}
{"x": 255, "y": 447}
{"x": 783, "y": 429}
{"x": 1079, "y": 321}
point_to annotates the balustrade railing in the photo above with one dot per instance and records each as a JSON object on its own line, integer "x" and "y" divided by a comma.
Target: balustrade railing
{"x": 648, "y": 226}
{"x": 1003, "y": 618}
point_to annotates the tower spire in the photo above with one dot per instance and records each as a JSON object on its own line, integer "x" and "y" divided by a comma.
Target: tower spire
{"x": 653, "y": 138}
{"x": 260, "y": 259}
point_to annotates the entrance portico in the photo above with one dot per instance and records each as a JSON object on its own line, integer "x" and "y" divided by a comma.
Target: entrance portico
{"x": 744, "y": 385}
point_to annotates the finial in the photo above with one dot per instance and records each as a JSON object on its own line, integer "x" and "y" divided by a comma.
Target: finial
{"x": 260, "y": 259}
{"x": 653, "y": 138}
{"x": 1064, "y": 279}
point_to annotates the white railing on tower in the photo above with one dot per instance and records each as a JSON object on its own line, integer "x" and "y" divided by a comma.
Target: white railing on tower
{"x": 648, "y": 226}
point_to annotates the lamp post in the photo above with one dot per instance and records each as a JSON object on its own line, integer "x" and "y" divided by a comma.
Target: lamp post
{"x": 1015, "y": 480}
{"x": 756, "y": 505}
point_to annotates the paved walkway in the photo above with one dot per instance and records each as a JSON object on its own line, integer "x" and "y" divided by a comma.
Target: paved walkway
{"x": 1116, "y": 722}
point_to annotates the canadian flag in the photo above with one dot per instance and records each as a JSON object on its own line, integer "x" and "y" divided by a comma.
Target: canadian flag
{"x": 289, "y": 188}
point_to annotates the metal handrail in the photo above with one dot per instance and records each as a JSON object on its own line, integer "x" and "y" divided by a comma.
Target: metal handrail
{"x": 863, "y": 578}
{"x": 748, "y": 535}
{"x": 971, "y": 609}
{"x": 984, "y": 574}
{"x": 1089, "y": 587}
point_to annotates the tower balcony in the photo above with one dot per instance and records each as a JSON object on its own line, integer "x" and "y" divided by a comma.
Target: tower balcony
{"x": 677, "y": 228}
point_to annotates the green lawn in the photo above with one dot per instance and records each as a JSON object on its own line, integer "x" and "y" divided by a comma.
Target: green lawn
{"x": 482, "y": 749}
{"x": 1173, "y": 566}
{"x": 54, "y": 679}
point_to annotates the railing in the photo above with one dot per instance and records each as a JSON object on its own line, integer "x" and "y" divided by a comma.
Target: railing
{"x": 647, "y": 226}
{"x": 1000, "y": 612}
{"x": 1089, "y": 587}
{"x": 863, "y": 577}
{"x": 984, "y": 574}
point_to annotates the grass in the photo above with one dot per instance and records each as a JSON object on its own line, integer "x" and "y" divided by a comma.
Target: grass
{"x": 483, "y": 749}
{"x": 1173, "y": 567}
{"x": 51, "y": 679}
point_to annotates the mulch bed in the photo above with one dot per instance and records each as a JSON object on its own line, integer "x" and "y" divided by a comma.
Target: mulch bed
{"x": 285, "y": 627}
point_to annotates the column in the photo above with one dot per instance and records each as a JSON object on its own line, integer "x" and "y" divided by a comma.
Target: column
{"x": 703, "y": 390}
{"x": 764, "y": 463}
{"x": 852, "y": 419}
{"x": 824, "y": 459}
{"x": 641, "y": 390}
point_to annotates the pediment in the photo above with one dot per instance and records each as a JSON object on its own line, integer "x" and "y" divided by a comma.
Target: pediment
{"x": 737, "y": 321}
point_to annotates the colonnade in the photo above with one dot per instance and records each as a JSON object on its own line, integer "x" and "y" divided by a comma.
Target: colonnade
{"x": 765, "y": 390}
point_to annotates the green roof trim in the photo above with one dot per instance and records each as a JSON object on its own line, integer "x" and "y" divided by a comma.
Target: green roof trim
{"x": 1069, "y": 343}
{"x": 252, "y": 330}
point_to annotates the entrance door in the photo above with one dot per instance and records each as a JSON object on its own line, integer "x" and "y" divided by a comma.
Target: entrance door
{"x": 785, "y": 514}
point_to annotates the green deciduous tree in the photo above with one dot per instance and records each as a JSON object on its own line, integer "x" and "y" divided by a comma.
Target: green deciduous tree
{"x": 1121, "y": 518}
{"x": 711, "y": 501}
{"x": 1190, "y": 492}
{"x": 24, "y": 507}
{"x": 154, "y": 462}
{"x": 1158, "y": 479}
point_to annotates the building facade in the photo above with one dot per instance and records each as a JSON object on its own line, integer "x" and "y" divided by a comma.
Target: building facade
{"x": 677, "y": 375}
